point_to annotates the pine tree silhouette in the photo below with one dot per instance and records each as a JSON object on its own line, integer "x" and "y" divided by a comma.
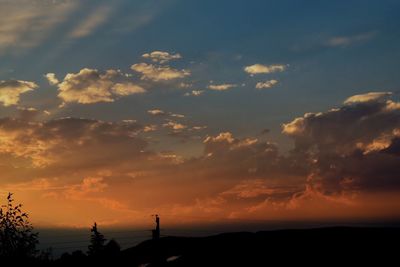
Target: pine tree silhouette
{"x": 97, "y": 242}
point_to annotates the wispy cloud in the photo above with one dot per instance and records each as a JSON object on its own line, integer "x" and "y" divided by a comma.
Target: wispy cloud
{"x": 343, "y": 41}
{"x": 95, "y": 19}
{"x": 26, "y": 24}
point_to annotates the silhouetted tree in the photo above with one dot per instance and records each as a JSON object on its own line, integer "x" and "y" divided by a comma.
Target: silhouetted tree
{"x": 17, "y": 238}
{"x": 97, "y": 241}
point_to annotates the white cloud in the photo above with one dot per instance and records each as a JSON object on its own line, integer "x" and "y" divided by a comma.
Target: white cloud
{"x": 185, "y": 85}
{"x": 161, "y": 57}
{"x": 159, "y": 73}
{"x": 372, "y": 96}
{"x": 175, "y": 126}
{"x": 259, "y": 69}
{"x": 52, "y": 79}
{"x": 266, "y": 84}
{"x": 221, "y": 87}
{"x": 194, "y": 93}
{"x": 150, "y": 128}
{"x": 91, "y": 86}
{"x": 128, "y": 88}
{"x": 156, "y": 112}
{"x": 11, "y": 90}
{"x": 177, "y": 115}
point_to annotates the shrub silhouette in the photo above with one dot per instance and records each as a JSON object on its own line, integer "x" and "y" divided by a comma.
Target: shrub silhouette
{"x": 97, "y": 241}
{"x": 17, "y": 239}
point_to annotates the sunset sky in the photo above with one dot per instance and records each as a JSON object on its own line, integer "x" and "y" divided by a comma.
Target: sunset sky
{"x": 201, "y": 111}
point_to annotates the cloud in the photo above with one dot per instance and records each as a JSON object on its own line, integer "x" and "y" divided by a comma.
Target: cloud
{"x": 89, "y": 24}
{"x": 159, "y": 73}
{"x": 161, "y": 57}
{"x": 177, "y": 115}
{"x": 11, "y": 90}
{"x": 372, "y": 96}
{"x": 64, "y": 141}
{"x": 150, "y": 128}
{"x": 27, "y": 24}
{"x": 255, "y": 188}
{"x": 175, "y": 126}
{"x": 266, "y": 84}
{"x": 343, "y": 41}
{"x": 344, "y": 165}
{"x": 194, "y": 93}
{"x": 127, "y": 88}
{"x": 52, "y": 79}
{"x": 260, "y": 69}
{"x": 90, "y": 86}
{"x": 221, "y": 87}
{"x": 156, "y": 112}
{"x": 353, "y": 146}
{"x": 185, "y": 85}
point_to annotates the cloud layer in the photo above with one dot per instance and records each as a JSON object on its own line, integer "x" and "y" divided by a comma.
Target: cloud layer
{"x": 344, "y": 165}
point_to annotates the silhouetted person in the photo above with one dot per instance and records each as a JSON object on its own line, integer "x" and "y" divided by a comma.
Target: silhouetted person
{"x": 156, "y": 232}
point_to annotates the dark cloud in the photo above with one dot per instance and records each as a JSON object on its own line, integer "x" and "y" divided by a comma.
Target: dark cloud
{"x": 354, "y": 146}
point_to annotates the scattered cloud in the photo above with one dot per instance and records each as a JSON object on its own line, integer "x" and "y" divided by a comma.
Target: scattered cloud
{"x": 266, "y": 84}
{"x": 194, "y": 93}
{"x": 156, "y": 112}
{"x": 185, "y": 85}
{"x": 150, "y": 128}
{"x": 159, "y": 73}
{"x": 11, "y": 90}
{"x": 221, "y": 87}
{"x": 161, "y": 57}
{"x": 198, "y": 128}
{"x": 261, "y": 69}
{"x": 176, "y": 126}
{"x": 92, "y": 86}
{"x": 177, "y": 115}
{"x": 52, "y": 79}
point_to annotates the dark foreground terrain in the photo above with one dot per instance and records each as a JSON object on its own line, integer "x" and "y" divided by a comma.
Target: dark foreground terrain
{"x": 340, "y": 246}
{"x": 317, "y": 247}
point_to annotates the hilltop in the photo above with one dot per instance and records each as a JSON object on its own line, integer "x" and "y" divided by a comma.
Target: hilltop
{"x": 339, "y": 245}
